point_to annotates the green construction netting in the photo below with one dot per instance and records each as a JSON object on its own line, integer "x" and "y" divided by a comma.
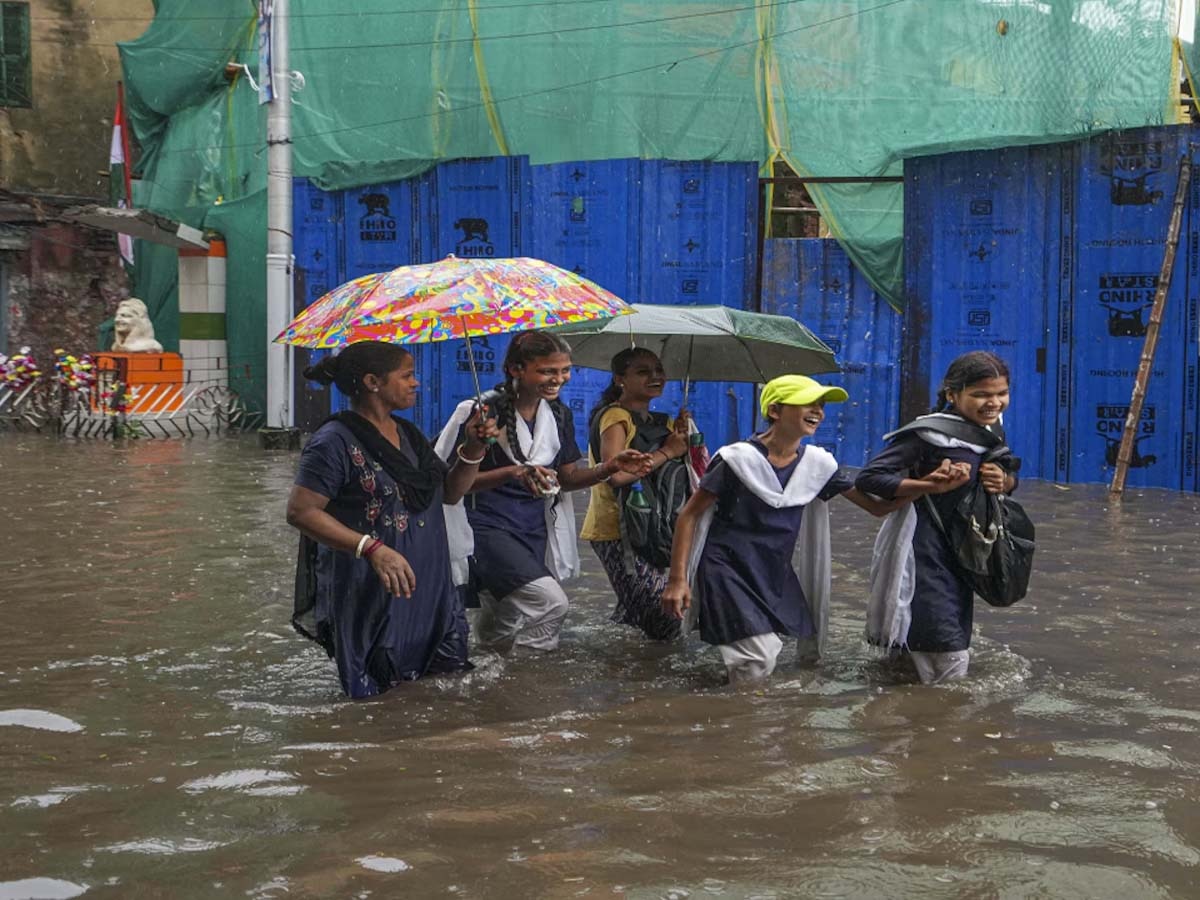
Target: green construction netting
{"x": 834, "y": 87}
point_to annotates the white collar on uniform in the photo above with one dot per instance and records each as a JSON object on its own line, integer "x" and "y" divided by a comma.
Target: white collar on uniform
{"x": 755, "y": 471}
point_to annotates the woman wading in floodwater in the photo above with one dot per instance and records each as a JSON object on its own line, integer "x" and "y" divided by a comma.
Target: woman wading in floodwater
{"x": 521, "y": 520}
{"x": 620, "y": 420}
{"x": 373, "y": 584}
{"x": 752, "y": 550}
{"x": 934, "y": 460}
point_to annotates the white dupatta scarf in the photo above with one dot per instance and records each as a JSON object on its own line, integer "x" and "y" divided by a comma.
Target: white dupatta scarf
{"x": 893, "y": 561}
{"x": 539, "y": 447}
{"x": 811, "y": 557}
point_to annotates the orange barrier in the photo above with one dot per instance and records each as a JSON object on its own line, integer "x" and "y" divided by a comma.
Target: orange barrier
{"x": 154, "y": 379}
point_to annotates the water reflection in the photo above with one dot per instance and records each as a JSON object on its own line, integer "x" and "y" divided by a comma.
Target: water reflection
{"x": 169, "y": 731}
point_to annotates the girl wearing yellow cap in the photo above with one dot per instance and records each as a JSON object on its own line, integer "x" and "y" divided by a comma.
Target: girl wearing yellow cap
{"x": 763, "y": 501}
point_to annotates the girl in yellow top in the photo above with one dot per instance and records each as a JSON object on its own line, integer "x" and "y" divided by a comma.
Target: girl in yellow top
{"x": 621, "y": 418}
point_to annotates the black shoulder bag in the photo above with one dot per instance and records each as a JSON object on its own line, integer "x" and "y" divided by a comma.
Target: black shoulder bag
{"x": 992, "y": 536}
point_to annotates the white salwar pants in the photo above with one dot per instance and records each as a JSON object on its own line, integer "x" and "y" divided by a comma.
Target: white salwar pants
{"x": 531, "y": 616}
{"x": 752, "y": 658}
{"x": 934, "y": 668}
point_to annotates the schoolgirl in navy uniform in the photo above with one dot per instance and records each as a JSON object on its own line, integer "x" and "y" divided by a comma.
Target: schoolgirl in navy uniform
{"x": 933, "y": 617}
{"x": 759, "y": 506}
{"x": 522, "y": 522}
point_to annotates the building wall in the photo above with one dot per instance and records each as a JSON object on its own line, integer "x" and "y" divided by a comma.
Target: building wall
{"x": 61, "y": 144}
{"x": 60, "y": 289}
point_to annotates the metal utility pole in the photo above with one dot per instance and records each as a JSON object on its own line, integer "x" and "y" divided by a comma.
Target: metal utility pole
{"x": 279, "y": 224}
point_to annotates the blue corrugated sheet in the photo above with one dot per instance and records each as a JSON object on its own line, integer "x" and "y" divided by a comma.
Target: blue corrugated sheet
{"x": 317, "y": 247}
{"x": 1051, "y": 256}
{"x": 472, "y": 208}
{"x": 982, "y": 229}
{"x": 814, "y": 281}
{"x": 650, "y": 231}
{"x": 585, "y": 219}
{"x": 698, "y": 245}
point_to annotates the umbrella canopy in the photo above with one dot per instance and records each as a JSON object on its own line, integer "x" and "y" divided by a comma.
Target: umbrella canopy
{"x": 704, "y": 343}
{"x": 453, "y": 298}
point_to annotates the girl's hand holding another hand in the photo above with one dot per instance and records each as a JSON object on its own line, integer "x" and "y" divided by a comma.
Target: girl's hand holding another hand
{"x": 993, "y": 478}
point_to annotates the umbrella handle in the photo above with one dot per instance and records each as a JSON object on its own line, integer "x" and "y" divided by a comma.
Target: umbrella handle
{"x": 475, "y": 375}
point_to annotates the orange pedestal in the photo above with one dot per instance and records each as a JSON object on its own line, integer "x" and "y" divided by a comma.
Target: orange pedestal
{"x": 154, "y": 379}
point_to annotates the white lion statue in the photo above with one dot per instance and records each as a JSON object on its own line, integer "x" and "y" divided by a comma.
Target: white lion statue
{"x": 132, "y": 329}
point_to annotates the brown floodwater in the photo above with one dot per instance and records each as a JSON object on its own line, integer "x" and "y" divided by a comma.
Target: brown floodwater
{"x": 165, "y": 733}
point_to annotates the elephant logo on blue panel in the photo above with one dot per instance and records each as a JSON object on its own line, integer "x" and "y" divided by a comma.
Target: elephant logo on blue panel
{"x": 1130, "y": 166}
{"x": 1126, "y": 298}
{"x": 376, "y": 223}
{"x": 1110, "y": 424}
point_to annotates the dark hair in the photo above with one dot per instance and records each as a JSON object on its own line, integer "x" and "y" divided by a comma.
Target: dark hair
{"x": 978, "y": 365}
{"x": 619, "y": 366}
{"x": 347, "y": 368}
{"x": 525, "y": 348}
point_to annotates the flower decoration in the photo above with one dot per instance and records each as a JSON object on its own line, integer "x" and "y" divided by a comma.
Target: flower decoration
{"x": 19, "y": 371}
{"x": 74, "y": 373}
{"x": 116, "y": 398}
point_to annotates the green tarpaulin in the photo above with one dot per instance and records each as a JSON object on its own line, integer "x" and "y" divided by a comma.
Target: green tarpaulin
{"x": 834, "y": 87}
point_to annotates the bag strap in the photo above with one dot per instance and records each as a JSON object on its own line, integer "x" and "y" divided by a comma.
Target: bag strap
{"x": 952, "y": 427}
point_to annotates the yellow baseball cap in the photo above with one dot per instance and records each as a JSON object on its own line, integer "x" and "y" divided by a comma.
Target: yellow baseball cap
{"x": 797, "y": 390}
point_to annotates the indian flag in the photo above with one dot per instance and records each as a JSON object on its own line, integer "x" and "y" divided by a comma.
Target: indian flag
{"x": 120, "y": 185}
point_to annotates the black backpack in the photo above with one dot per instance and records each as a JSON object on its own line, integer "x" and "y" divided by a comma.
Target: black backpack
{"x": 648, "y": 530}
{"x": 991, "y": 534}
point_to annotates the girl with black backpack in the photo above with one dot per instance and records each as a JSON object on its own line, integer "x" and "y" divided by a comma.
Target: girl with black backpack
{"x": 637, "y": 568}
{"x": 921, "y": 593}
{"x": 513, "y": 538}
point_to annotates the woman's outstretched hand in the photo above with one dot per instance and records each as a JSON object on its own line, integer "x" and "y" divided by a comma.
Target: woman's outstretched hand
{"x": 633, "y": 462}
{"x": 394, "y": 571}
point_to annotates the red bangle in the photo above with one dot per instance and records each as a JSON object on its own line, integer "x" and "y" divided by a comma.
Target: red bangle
{"x": 372, "y": 547}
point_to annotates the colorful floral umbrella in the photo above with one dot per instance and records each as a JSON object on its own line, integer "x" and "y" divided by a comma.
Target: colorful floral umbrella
{"x": 454, "y": 298}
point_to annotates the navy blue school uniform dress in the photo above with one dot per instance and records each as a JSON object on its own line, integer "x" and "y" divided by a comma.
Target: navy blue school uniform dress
{"x": 379, "y": 640}
{"x": 748, "y": 584}
{"x": 510, "y": 523}
{"x": 943, "y": 604}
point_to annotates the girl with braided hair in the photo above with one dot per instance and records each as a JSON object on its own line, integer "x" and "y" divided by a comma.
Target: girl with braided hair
{"x": 517, "y": 524}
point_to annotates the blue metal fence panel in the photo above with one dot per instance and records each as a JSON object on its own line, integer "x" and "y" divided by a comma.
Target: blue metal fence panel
{"x": 585, "y": 218}
{"x": 1126, "y": 183}
{"x": 472, "y": 208}
{"x": 699, "y": 245}
{"x": 978, "y": 277}
{"x": 380, "y": 231}
{"x": 693, "y": 225}
{"x": 317, "y": 247}
{"x": 1070, "y": 261}
{"x": 814, "y": 281}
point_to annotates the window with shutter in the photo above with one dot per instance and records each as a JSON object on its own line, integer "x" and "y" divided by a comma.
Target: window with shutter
{"x": 16, "y": 78}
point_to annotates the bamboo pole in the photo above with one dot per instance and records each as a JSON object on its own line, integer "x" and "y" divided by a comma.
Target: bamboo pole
{"x": 1146, "y": 364}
